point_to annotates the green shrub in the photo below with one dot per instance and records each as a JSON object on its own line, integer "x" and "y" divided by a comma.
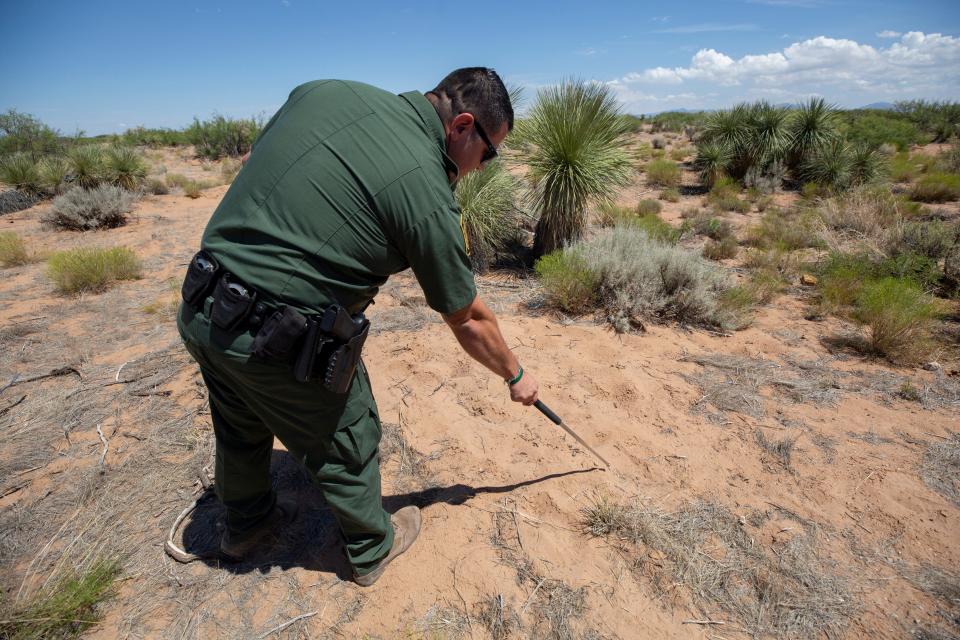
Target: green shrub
{"x": 90, "y": 270}
{"x": 156, "y": 186}
{"x": 936, "y": 187}
{"x": 13, "y": 252}
{"x": 491, "y": 219}
{"x": 663, "y": 173}
{"x": 649, "y": 207}
{"x": 569, "y": 283}
{"x": 670, "y": 195}
{"x": 902, "y": 168}
{"x": 941, "y": 120}
{"x": 86, "y": 165}
{"x": 791, "y": 230}
{"x": 679, "y": 153}
{"x": 830, "y": 168}
{"x": 79, "y": 209}
{"x": 676, "y": 121}
{"x": 874, "y": 129}
{"x": 722, "y": 250}
{"x": 610, "y": 214}
{"x": 842, "y": 277}
{"x": 712, "y": 161}
{"x": 124, "y": 167}
{"x": 655, "y": 227}
{"x": 53, "y": 174}
{"x": 932, "y": 239}
{"x": 724, "y": 196}
{"x": 918, "y": 268}
{"x": 714, "y": 228}
{"x": 577, "y": 154}
{"x": 899, "y": 316}
{"x": 221, "y": 136}
{"x": 21, "y": 172}
{"x": 192, "y": 189}
{"x": 141, "y": 136}
{"x": 177, "y": 179}
{"x": 22, "y": 133}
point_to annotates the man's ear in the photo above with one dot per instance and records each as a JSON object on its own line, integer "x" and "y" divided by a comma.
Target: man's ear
{"x": 461, "y": 123}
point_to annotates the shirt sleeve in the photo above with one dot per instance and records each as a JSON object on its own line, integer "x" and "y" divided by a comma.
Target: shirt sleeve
{"x": 436, "y": 251}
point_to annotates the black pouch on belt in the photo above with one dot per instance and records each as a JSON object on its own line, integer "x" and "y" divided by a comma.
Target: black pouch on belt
{"x": 279, "y": 334}
{"x": 199, "y": 280}
{"x": 343, "y": 360}
{"x": 232, "y": 302}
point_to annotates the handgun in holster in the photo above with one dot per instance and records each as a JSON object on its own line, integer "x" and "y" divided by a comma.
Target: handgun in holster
{"x": 332, "y": 346}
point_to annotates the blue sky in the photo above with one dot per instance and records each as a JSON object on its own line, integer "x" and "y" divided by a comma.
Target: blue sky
{"x": 105, "y": 66}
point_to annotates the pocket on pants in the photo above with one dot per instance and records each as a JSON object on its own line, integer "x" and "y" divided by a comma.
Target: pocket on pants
{"x": 355, "y": 443}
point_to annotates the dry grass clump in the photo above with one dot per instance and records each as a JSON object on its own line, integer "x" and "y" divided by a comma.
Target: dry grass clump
{"x": 663, "y": 173}
{"x": 780, "y": 450}
{"x": 865, "y": 216}
{"x": 731, "y": 383}
{"x": 91, "y": 270}
{"x": 498, "y": 617}
{"x": 936, "y": 187}
{"x": 940, "y": 468}
{"x": 899, "y": 316}
{"x": 725, "y": 249}
{"x": 670, "y": 195}
{"x": 790, "y": 591}
{"x": 13, "y": 252}
{"x": 103, "y": 207}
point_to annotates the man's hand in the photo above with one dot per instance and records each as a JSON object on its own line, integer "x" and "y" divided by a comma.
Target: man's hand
{"x": 525, "y": 391}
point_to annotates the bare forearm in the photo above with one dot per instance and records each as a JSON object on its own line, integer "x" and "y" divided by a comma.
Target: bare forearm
{"x": 479, "y": 335}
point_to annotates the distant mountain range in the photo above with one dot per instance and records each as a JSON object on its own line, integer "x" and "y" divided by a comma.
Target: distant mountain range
{"x": 787, "y": 105}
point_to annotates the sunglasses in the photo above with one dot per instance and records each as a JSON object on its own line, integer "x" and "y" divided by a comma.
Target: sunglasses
{"x": 491, "y": 151}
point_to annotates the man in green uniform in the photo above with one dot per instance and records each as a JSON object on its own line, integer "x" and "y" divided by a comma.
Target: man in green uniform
{"x": 346, "y": 185}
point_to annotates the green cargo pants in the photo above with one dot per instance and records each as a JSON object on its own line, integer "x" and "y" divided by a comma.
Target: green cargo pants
{"x": 335, "y": 437}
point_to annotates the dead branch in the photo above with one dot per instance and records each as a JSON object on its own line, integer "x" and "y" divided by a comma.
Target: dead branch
{"x": 12, "y": 405}
{"x": 106, "y": 447}
{"x": 62, "y": 371}
{"x": 289, "y": 622}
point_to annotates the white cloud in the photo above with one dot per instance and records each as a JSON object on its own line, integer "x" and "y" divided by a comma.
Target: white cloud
{"x": 917, "y": 65}
{"x": 889, "y": 34}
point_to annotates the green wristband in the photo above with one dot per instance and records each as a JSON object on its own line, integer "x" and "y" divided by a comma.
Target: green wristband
{"x": 517, "y": 378}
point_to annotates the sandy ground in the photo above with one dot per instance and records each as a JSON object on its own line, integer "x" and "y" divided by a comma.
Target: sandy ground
{"x": 496, "y": 481}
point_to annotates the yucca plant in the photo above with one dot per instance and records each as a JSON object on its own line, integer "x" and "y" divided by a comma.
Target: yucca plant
{"x": 490, "y": 216}
{"x": 53, "y": 174}
{"x": 20, "y": 171}
{"x": 866, "y": 165}
{"x": 712, "y": 160}
{"x": 124, "y": 167}
{"x": 577, "y": 155}
{"x": 768, "y": 137}
{"x": 86, "y": 165}
{"x": 831, "y": 167}
{"x": 814, "y": 126}
{"x": 728, "y": 128}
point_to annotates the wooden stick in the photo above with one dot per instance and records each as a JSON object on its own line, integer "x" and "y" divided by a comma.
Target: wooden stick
{"x": 704, "y": 622}
{"x": 62, "y": 371}
{"x": 288, "y": 623}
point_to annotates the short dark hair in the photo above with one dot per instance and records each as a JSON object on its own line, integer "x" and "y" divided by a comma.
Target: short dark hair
{"x": 476, "y": 90}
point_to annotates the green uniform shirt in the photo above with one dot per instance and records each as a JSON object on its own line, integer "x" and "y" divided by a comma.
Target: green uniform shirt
{"x": 347, "y": 185}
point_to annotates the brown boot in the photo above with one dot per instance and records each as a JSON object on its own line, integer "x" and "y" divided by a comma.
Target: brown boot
{"x": 406, "y": 527}
{"x": 284, "y": 512}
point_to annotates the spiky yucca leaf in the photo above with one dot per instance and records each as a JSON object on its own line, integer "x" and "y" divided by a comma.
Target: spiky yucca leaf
{"x": 813, "y": 127}
{"x": 768, "y": 135}
{"x": 53, "y": 174}
{"x": 86, "y": 165}
{"x": 124, "y": 167}
{"x": 831, "y": 167}
{"x": 712, "y": 160}
{"x": 20, "y": 171}
{"x": 487, "y": 200}
{"x": 577, "y": 154}
{"x": 866, "y": 165}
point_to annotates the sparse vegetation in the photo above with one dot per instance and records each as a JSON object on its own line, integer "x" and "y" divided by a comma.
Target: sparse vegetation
{"x": 124, "y": 167}
{"x": 899, "y": 315}
{"x": 220, "y": 136}
{"x": 649, "y": 208}
{"x": 491, "y": 218}
{"x": 20, "y": 171}
{"x": 80, "y": 209}
{"x": 663, "y": 173}
{"x": 936, "y": 187}
{"x": 940, "y": 468}
{"x": 13, "y": 252}
{"x": 670, "y": 195}
{"x": 91, "y": 270}
{"x": 721, "y": 250}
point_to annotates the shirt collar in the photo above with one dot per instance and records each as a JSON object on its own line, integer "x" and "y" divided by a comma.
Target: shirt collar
{"x": 434, "y": 125}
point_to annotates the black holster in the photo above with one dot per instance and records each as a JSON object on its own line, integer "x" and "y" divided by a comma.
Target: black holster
{"x": 199, "y": 281}
{"x": 331, "y": 349}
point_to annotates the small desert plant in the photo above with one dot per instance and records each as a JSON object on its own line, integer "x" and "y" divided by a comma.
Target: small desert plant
{"x": 712, "y": 160}
{"x": 156, "y": 186}
{"x": 53, "y": 174}
{"x": 177, "y": 179}
{"x": 221, "y": 136}
{"x": 658, "y": 143}
{"x": 88, "y": 269}
{"x": 788, "y": 230}
{"x": 86, "y": 163}
{"x": 679, "y": 153}
{"x": 936, "y": 187}
{"x": 724, "y": 196}
{"x": 670, "y": 195}
{"x": 932, "y": 239}
{"x": 950, "y": 159}
{"x": 13, "y": 252}
{"x": 713, "y": 228}
{"x": 192, "y": 189}
{"x": 570, "y": 284}
{"x": 663, "y": 173}
{"x": 230, "y": 168}
{"x": 654, "y": 226}
{"x": 124, "y": 167}
{"x": 66, "y": 608}
{"x": 490, "y": 216}
{"x": 79, "y": 209}
{"x": 899, "y": 316}
{"x": 648, "y": 207}
{"x": 577, "y": 155}
{"x": 842, "y": 278}
{"x": 722, "y": 250}
{"x": 20, "y": 171}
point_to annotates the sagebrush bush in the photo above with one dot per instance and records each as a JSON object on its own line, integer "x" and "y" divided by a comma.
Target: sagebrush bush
{"x": 722, "y": 250}
{"x": 80, "y": 209}
{"x": 663, "y": 173}
{"x": 936, "y": 187}
{"x": 899, "y": 316}
{"x": 124, "y": 167}
{"x": 491, "y": 218}
{"x": 90, "y": 270}
{"x": 638, "y": 278}
{"x": 20, "y": 171}
{"x": 932, "y": 239}
{"x": 570, "y": 285}
{"x": 222, "y": 136}
{"x": 13, "y": 252}
{"x": 648, "y": 207}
